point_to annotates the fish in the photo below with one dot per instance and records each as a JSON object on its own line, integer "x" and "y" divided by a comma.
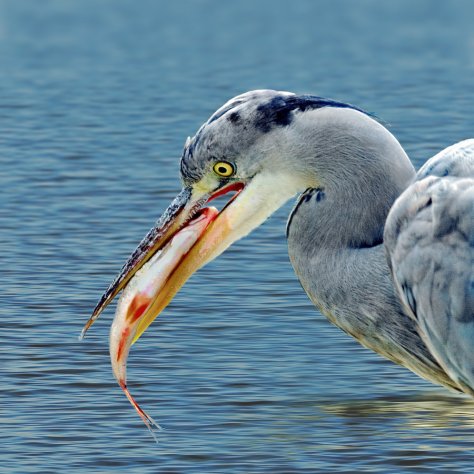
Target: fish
{"x": 135, "y": 307}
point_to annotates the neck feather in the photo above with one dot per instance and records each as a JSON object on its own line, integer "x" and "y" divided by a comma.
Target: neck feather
{"x": 335, "y": 236}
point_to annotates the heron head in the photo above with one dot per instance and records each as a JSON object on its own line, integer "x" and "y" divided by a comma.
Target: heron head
{"x": 253, "y": 148}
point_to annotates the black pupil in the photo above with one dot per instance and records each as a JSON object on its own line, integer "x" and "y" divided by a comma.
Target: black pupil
{"x": 222, "y": 169}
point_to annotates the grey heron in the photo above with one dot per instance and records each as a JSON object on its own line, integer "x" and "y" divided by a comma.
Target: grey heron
{"x": 414, "y": 307}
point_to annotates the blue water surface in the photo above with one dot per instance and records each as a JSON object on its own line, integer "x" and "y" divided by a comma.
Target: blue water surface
{"x": 96, "y": 101}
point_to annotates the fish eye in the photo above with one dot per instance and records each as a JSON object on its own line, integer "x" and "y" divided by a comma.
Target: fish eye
{"x": 224, "y": 169}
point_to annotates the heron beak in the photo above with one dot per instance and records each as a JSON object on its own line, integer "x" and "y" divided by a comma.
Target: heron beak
{"x": 180, "y": 212}
{"x": 251, "y": 204}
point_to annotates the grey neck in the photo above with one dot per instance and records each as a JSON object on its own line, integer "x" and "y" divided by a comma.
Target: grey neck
{"x": 338, "y": 226}
{"x": 335, "y": 239}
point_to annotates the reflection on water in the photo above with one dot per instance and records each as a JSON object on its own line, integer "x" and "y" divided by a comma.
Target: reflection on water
{"x": 421, "y": 411}
{"x": 96, "y": 100}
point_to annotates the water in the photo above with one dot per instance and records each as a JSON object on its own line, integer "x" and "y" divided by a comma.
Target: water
{"x": 96, "y": 100}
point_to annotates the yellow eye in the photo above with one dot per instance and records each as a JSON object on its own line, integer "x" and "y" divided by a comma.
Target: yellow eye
{"x": 224, "y": 169}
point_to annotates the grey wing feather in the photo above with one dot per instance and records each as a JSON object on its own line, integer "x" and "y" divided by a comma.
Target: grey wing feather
{"x": 429, "y": 239}
{"x": 456, "y": 161}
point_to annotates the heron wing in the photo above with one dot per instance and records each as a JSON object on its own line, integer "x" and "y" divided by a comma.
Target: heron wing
{"x": 429, "y": 239}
